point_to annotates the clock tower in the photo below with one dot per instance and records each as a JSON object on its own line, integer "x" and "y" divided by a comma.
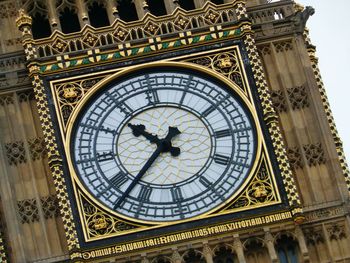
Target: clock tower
{"x": 168, "y": 131}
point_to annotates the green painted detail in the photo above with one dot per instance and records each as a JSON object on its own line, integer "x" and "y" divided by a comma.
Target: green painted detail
{"x": 226, "y": 33}
{"x": 195, "y": 39}
{"x": 72, "y": 63}
{"x": 177, "y": 43}
{"x": 55, "y": 67}
{"x": 43, "y": 68}
{"x": 147, "y": 49}
{"x": 208, "y": 37}
{"x": 238, "y": 31}
{"x": 134, "y": 51}
{"x": 85, "y": 61}
{"x": 165, "y": 45}
{"x": 117, "y": 55}
{"x": 104, "y": 57}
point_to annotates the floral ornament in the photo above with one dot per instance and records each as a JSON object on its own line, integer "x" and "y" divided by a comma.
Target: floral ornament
{"x": 151, "y": 28}
{"x": 90, "y": 40}
{"x": 181, "y": 22}
{"x": 120, "y": 34}
{"x": 211, "y": 16}
{"x": 60, "y": 45}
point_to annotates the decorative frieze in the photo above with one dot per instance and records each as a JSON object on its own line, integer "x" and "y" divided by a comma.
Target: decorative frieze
{"x": 336, "y": 232}
{"x": 294, "y": 157}
{"x": 298, "y": 97}
{"x": 37, "y": 148}
{"x": 28, "y": 210}
{"x": 15, "y": 152}
{"x": 283, "y": 46}
{"x": 279, "y": 101}
{"x": 50, "y": 207}
{"x": 313, "y": 236}
{"x": 314, "y": 154}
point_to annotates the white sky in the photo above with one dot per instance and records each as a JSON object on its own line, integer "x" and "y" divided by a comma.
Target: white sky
{"x": 330, "y": 33}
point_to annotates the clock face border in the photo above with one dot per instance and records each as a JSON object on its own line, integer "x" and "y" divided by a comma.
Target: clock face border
{"x": 143, "y": 231}
{"x": 179, "y": 66}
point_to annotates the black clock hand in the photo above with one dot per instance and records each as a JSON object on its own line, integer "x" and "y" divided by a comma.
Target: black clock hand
{"x": 139, "y": 175}
{"x": 139, "y": 129}
{"x": 164, "y": 145}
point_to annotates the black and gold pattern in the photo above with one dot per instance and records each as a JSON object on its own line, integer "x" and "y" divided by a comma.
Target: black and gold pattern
{"x": 271, "y": 120}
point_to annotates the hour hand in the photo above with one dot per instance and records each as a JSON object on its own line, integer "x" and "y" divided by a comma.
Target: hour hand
{"x": 140, "y": 129}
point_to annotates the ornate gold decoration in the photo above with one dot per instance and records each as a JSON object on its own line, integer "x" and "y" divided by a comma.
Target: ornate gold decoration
{"x": 337, "y": 141}
{"x": 90, "y": 40}
{"x": 259, "y": 191}
{"x": 23, "y": 19}
{"x": 226, "y": 63}
{"x": 55, "y": 163}
{"x": 270, "y": 117}
{"x": 69, "y": 94}
{"x": 181, "y": 22}
{"x": 59, "y": 45}
{"x": 99, "y": 223}
{"x": 212, "y": 16}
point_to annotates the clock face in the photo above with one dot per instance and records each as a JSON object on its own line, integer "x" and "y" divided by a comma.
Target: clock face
{"x": 163, "y": 144}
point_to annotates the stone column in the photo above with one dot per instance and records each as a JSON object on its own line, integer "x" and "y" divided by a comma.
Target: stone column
{"x": 270, "y": 245}
{"x": 82, "y": 13}
{"x": 208, "y": 254}
{"x": 139, "y": 5}
{"x": 302, "y": 244}
{"x": 53, "y": 16}
{"x": 238, "y": 247}
{"x": 112, "y": 11}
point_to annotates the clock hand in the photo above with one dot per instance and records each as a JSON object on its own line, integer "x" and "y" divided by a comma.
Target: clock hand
{"x": 163, "y": 145}
{"x": 138, "y": 130}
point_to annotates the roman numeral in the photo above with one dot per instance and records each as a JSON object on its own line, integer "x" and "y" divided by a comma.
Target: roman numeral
{"x": 222, "y": 133}
{"x": 221, "y": 159}
{"x": 176, "y": 194}
{"x": 118, "y": 180}
{"x": 121, "y": 105}
{"x": 145, "y": 193}
{"x": 208, "y": 111}
{"x": 204, "y": 181}
{"x": 105, "y": 156}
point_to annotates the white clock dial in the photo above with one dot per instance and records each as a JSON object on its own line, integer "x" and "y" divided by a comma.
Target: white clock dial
{"x": 163, "y": 144}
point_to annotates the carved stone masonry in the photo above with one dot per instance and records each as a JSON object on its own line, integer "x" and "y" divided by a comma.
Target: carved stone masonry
{"x": 278, "y": 101}
{"x": 37, "y": 148}
{"x": 15, "y": 152}
{"x": 28, "y": 210}
{"x": 314, "y": 154}
{"x": 50, "y": 206}
{"x": 336, "y": 232}
{"x": 313, "y": 236}
{"x": 294, "y": 157}
{"x": 298, "y": 97}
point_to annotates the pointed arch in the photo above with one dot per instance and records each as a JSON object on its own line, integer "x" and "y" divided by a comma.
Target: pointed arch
{"x": 98, "y": 14}
{"x": 127, "y": 10}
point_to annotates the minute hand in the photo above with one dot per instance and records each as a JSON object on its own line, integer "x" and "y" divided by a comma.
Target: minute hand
{"x": 139, "y": 175}
{"x": 163, "y": 145}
